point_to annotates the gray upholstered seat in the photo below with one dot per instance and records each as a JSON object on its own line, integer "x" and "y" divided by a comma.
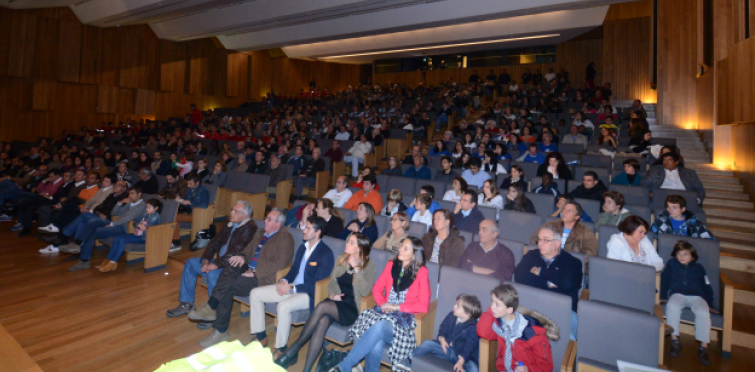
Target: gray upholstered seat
{"x": 530, "y": 169}
{"x": 596, "y": 161}
{"x": 642, "y": 211}
{"x": 518, "y": 226}
{"x": 622, "y": 283}
{"x": 658, "y": 203}
{"x": 517, "y": 248}
{"x": 383, "y": 224}
{"x": 440, "y": 188}
{"x": 589, "y": 206}
{"x": 348, "y": 215}
{"x": 599, "y": 326}
{"x": 490, "y": 213}
{"x": 544, "y": 203}
{"x": 403, "y": 184}
{"x": 579, "y": 171}
{"x": 633, "y": 194}
{"x": 445, "y": 204}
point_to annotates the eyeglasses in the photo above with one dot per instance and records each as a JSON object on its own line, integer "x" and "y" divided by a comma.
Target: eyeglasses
{"x": 546, "y": 241}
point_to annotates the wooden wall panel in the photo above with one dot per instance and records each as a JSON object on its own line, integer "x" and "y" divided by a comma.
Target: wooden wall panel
{"x": 5, "y": 35}
{"x": 108, "y": 99}
{"x": 22, "y": 42}
{"x": 20, "y": 93}
{"x": 44, "y": 95}
{"x": 91, "y": 55}
{"x": 126, "y": 101}
{"x": 112, "y": 47}
{"x": 628, "y": 66}
{"x": 145, "y": 102}
{"x": 637, "y": 9}
{"x": 46, "y": 49}
{"x": 677, "y": 62}
{"x": 69, "y": 51}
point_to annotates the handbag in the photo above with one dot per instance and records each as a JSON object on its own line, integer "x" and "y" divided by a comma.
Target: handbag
{"x": 330, "y": 359}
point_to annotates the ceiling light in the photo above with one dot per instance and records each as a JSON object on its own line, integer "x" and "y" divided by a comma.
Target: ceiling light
{"x": 443, "y": 46}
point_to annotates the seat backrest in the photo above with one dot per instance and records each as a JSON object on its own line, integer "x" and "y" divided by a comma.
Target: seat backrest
{"x": 557, "y": 308}
{"x": 490, "y": 213}
{"x": 256, "y": 183}
{"x": 591, "y": 207}
{"x": 570, "y": 148}
{"x": 417, "y": 229}
{"x": 348, "y": 215}
{"x": 530, "y": 169}
{"x": 605, "y": 232}
{"x": 383, "y": 224}
{"x": 382, "y": 181}
{"x": 289, "y": 168}
{"x": 236, "y": 181}
{"x": 260, "y": 223}
{"x": 640, "y": 210}
{"x": 603, "y": 172}
{"x": 600, "y": 324}
{"x": 440, "y": 188}
{"x": 659, "y": 199}
{"x": 297, "y": 235}
{"x": 518, "y": 226}
{"x": 212, "y": 190}
{"x": 338, "y": 246}
{"x": 445, "y": 204}
{"x": 168, "y": 213}
{"x": 380, "y": 258}
{"x": 633, "y": 194}
{"x": 581, "y": 258}
{"x": 708, "y": 252}
{"x": 455, "y": 281}
{"x": 467, "y": 236}
{"x": 596, "y": 161}
{"x": 434, "y": 272}
{"x": 405, "y": 185}
{"x": 161, "y": 182}
{"x": 622, "y": 283}
{"x": 544, "y": 203}
{"x": 517, "y": 248}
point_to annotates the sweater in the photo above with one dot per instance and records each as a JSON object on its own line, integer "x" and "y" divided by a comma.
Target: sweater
{"x": 392, "y": 172}
{"x": 421, "y": 173}
{"x": 127, "y": 212}
{"x": 623, "y": 179}
{"x": 469, "y": 223}
{"x": 390, "y": 241}
{"x": 618, "y": 249}
{"x": 373, "y": 198}
{"x": 98, "y": 198}
{"x": 462, "y": 337}
{"x": 500, "y": 259}
{"x": 173, "y": 190}
{"x": 417, "y": 299}
{"x": 688, "y": 280}
{"x": 276, "y": 254}
{"x": 565, "y": 272}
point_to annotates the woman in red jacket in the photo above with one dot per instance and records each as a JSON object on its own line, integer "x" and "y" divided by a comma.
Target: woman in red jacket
{"x": 523, "y": 335}
{"x": 402, "y": 290}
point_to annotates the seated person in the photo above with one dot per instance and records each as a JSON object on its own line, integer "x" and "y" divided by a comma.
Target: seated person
{"x": 466, "y": 213}
{"x": 446, "y": 173}
{"x": 352, "y": 278}
{"x": 443, "y": 244}
{"x": 356, "y": 153}
{"x": 516, "y": 200}
{"x": 340, "y": 194}
{"x": 591, "y": 188}
{"x": 631, "y": 244}
{"x": 490, "y": 196}
{"x": 324, "y": 209}
{"x": 393, "y": 203}
{"x": 575, "y": 137}
{"x": 684, "y": 284}
{"x": 555, "y": 165}
{"x": 630, "y": 176}
{"x": 393, "y": 239}
{"x": 175, "y": 187}
{"x": 196, "y": 196}
{"x": 308, "y": 173}
{"x": 490, "y": 163}
{"x": 409, "y": 159}
{"x": 368, "y": 195}
{"x": 270, "y": 250}
{"x": 313, "y": 262}
{"x": 423, "y": 190}
{"x": 575, "y": 236}
{"x": 147, "y": 181}
{"x": 439, "y": 149}
{"x": 676, "y": 219}
{"x": 522, "y": 334}
{"x": 47, "y": 211}
{"x": 423, "y": 214}
{"x": 474, "y": 176}
{"x": 457, "y": 191}
{"x": 532, "y": 155}
{"x": 547, "y": 186}
{"x": 547, "y": 145}
{"x": 151, "y": 217}
{"x": 363, "y": 223}
{"x": 672, "y": 176}
{"x": 360, "y": 179}
{"x": 394, "y": 168}
{"x": 488, "y": 256}
{"x": 457, "y": 340}
{"x": 613, "y": 210}
{"x": 517, "y": 176}
{"x": 419, "y": 170}
{"x": 88, "y": 199}
{"x": 552, "y": 268}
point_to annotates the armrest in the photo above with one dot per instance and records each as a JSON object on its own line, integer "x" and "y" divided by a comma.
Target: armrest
{"x": 369, "y": 159}
{"x": 488, "y": 350}
{"x": 321, "y": 183}
{"x": 283, "y": 193}
{"x": 565, "y": 367}
{"x": 426, "y": 323}
{"x": 281, "y": 273}
{"x": 585, "y": 295}
{"x": 658, "y": 312}
{"x": 572, "y": 356}
{"x": 157, "y": 245}
{"x": 368, "y": 302}
{"x": 728, "y": 315}
{"x": 658, "y": 287}
{"x": 321, "y": 290}
{"x": 201, "y": 219}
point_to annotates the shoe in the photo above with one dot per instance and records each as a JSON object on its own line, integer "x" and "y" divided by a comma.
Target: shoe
{"x": 675, "y": 349}
{"x": 213, "y": 338}
{"x": 48, "y": 238}
{"x": 175, "y": 246}
{"x": 70, "y": 248}
{"x": 335, "y": 369}
{"x": 49, "y": 229}
{"x": 18, "y": 227}
{"x": 105, "y": 262}
{"x": 404, "y": 366}
{"x": 49, "y": 249}
{"x": 702, "y": 356}
{"x": 73, "y": 257}
{"x": 5, "y": 218}
{"x": 81, "y": 265}
{"x": 24, "y": 232}
{"x": 182, "y": 309}
{"x": 204, "y": 325}
{"x": 110, "y": 266}
{"x": 204, "y": 313}
{"x": 285, "y": 360}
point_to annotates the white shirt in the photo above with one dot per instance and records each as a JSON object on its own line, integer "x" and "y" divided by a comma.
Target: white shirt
{"x": 618, "y": 249}
{"x": 339, "y": 198}
{"x": 672, "y": 180}
{"x": 427, "y": 219}
{"x": 343, "y": 136}
{"x": 496, "y": 202}
{"x": 360, "y": 148}
{"x": 550, "y": 76}
{"x": 451, "y": 196}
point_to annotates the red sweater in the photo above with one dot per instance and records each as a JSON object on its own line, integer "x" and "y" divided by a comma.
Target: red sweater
{"x": 535, "y": 353}
{"x": 417, "y": 298}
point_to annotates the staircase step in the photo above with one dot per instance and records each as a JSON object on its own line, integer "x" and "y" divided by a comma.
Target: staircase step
{"x": 723, "y": 203}
{"x": 734, "y": 236}
{"x": 730, "y": 214}
{"x": 726, "y": 195}
{"x": 697, "y": 166}
{"x": 724, "y": 223}
{"x": 737, "y": 264}
{"x": 742, "y": 319}
{"x": 723, "y": 188}
{"x": 737, "y": 246}
{"x": 720, "y": 180}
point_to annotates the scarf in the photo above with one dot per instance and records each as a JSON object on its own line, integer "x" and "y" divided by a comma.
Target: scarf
{"x": 509, "y": 335}
{"x": 402, "y": 279}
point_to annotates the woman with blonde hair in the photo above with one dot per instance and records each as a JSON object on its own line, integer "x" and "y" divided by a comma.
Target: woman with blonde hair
{"x": 490, "y": 196}
{"x": 391, "y": 240}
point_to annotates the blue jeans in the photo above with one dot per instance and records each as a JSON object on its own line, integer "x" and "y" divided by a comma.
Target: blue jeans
{"x": 119, "y": 245}
{"x": 574, "y": 323}
{"x": 461, "y": 112}
{"x": 87, "y": 245}
{"x": 355, "y": 161}
{"x": 8, "y": 191}
{"x": 442, "y": 120}
{"x": 433, "y": 347}
{"x": 370, "y": 347}
{"x": 74, "y": 228}
{"x": 192, "y": 268}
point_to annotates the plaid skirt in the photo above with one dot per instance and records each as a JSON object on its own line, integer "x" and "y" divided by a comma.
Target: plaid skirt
{"x": 404, "y": 341}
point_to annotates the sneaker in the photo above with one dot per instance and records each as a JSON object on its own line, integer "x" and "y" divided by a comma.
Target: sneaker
{"x": 71, "y": 248}
{"x": 81, "y": 265}
{"x": 5, "y": 218}
{"x": 404, "y": 365}
{"x": 174, "y": 247}
{"x": 702, "y": 356}
{"x": 24, "y": 232}
{"x": 182, "y": 309}
{"x": 213, "y": 338}
{"x": 204, "y": 313}
{"x": 49, "y": 229}
{"x": 49, "y": 249}
{"x": 675, "y": 349}
{"x": 18, "y": 227}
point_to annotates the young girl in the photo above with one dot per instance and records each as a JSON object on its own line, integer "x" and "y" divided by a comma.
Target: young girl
{"x": 517, "y": 201}
{"x": 517, "y": 176}
{"x": 150, "y": 218}
{"x": 459, "y": 186}
{"x": 490, "y": 197}
{"x": 684, "y": 284}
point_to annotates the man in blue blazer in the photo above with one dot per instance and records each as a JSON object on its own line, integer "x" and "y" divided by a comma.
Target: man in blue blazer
{"x": 313, "y": 262}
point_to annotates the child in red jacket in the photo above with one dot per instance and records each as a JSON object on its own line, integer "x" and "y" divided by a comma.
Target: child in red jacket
{"x": 522, "y": 335}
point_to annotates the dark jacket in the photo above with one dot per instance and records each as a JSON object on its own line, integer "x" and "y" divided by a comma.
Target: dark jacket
{"x": 65, "y": 191}
{"x": 392, "y": 172}
{"x": 275, "y": 255}
{"x": 451, "y": 249}
{"x": 565, "y": 272}
{"x": 581, "y": 239}
{"x": 172, "y": 190}
{"x": 461, "y": 337}
{"x": 150, "y": 186}
{"x": 107, "y": 205}
{"x": 595, "y": 193}
{"x": 318, "y": 267}
{"x": 238, "y": 241}
{"x": 334, "y": 226}
{"x": 507, "y": 182}
{"x": 623, "y": 179}
{"x": 470, "y": 223}
{"x": 199, "y": 197}
{"x": 370, "y": 231}
{"x": 657, "y": 174}
{"x": 691, "y": 227}
{"x": 312, "y": 167}
{"x": 528, "y": 206}
{"x": 440, "y": 176}
{"x": 688, "y": 280}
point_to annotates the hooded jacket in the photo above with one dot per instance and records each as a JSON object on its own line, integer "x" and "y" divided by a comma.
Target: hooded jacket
{"x": 462, "y": 337}
{"x": 533, "y": 348}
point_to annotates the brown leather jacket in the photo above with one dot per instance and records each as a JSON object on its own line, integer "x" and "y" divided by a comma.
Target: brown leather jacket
{"x": 276, "y": 254}
{"x": 450, "y": 250}
{"x": 243, "y": 233}
{"x": 176, "y": 189}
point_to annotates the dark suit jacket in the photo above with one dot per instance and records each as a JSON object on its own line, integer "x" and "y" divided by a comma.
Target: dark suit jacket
{"x": 318, "y": 267}
{"x": 150, "y": 186}
{"x": 657, "y": 174}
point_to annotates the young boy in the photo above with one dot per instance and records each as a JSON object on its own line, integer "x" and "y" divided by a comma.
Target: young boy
{"x": 522, "y": 335}
{"x": 457, "y": 338}
{"x": 548, "y": 186}
{"x": 676, "y": 219}
{"x": 423, "y": 213}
